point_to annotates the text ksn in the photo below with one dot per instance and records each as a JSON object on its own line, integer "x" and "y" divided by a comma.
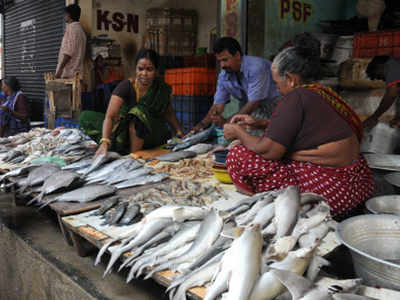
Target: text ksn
{"x": 300, "y": 11}
{"x": 118, "y": 21}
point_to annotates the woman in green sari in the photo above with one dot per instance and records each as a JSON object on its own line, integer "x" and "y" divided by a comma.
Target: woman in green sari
{"x": 138, "y": 112}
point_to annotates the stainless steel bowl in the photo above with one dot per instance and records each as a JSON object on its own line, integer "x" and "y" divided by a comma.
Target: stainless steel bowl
{"x": 389, "y": 204}
{"x": 374, "y": 243}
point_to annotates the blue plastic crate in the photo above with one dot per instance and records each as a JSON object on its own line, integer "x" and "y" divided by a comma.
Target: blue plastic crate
{"x": 190, "y": 110}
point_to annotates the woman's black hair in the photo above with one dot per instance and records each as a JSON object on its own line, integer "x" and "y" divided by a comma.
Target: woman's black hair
{"x": 12, "y": 83}
{"x": 229, "y": 44}
{"x": 373, "y": 70}
{"x": 302, "y": 59}
{"x": 150, "y": 55}
{"x": 74, "y": 11}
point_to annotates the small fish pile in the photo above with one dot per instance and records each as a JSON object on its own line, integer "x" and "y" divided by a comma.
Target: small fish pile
{"x": 207, "y": 248}
{"x": 116, "y": 211}
{"x": 189, "y": 168}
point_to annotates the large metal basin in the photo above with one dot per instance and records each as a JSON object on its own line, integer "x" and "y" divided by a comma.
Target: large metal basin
{"x": 374, "y": 243}
{"x": 389, "y": 204}
{"x": 381, "y": 139}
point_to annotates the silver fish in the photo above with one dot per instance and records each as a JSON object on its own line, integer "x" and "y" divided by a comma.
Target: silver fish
{"x": 116, "y": 214}
{"x": 151, "y": 178}
{"x": 18, "y": 172}
{"x": 107, "y": 205}
{"x": 79, "y": 164}
{"x": 287, "y": 207}
{"x": 39, "y": 175}
{"x": 317, "y": 262}
{"x": 200, "y": 148}
{"x": 100, "y": 160}
{"x": 11, "y": 155}
{"x": 249, "y": 216}
{"x": 208, "y": 233}
{"x": 247, "y": 201}
{"x": 132, "y": 211}
{"x": 55, "y": 182}
{"x": 126, "y": 174}
{"x": 264, "y": 215}
{"x": 175, "y": 156}
{"x": 194, "y": 139}
{"x": 84, "y": 194}
{"x": 111, "y": 167}
{"x": 148, "y": 231}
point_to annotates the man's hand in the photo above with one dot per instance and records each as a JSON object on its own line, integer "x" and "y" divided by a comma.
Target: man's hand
{"x": 231, "y": 131}
{"x": 370, "y": 123}
{"x": 218, "y": 120}
{"x": 58, "y": 74}
{"x": 244, "y": 120}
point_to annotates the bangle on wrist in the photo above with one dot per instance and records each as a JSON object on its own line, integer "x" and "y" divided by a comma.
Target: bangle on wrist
{"x": 105, "y": 140}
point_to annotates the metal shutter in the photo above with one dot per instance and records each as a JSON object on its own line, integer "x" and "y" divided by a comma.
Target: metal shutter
{"x": 33, "y": 30}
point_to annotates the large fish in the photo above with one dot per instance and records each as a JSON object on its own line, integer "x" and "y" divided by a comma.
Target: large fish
{"x": 39, "y": 175}
{"x": 55, "y": 182}
{"x": 208, "y": 233}
{"x": 114, "y": 167}
{"x": 18, "y": 172}
{"x": 253, "y": 211}
{"x": 303, "y": 289}
{"x": 132, "y": 211}
{"x": 116, "y": 213}
{"x": 148, "y": 231}
{"x": 83, "y": 163}
{"x": 106, "y": 206}
{"x": 287, "y": 207}
{"x": 100, "y": 160}
{"x": 200, "y": 148}
{"x": 194, "y": 139}
{"x": 246, "y": 269}
{"x": 127, "y": 174}
{"x": 84, "y": 194}
{"x": 175, "y": 156}
{"x": 142, "y": 180}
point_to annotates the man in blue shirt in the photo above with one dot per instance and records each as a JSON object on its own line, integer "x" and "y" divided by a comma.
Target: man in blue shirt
{"x": 246, "y": 78}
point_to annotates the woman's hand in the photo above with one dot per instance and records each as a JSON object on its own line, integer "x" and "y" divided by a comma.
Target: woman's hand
{"x": 231, "y": 131}
{"x": 102, "y": 150}
{"x": 245, "y": 121}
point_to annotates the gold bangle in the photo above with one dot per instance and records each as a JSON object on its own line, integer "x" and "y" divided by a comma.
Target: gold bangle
{"x": 105, "y": 140}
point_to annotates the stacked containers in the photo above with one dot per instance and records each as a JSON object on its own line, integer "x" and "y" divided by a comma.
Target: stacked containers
{"x": 171, "y": 31}
{"x": 193, "y": 90}
{"x": 368, "y": 45}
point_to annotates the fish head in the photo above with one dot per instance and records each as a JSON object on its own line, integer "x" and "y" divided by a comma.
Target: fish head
{"x": 298, "y": 286}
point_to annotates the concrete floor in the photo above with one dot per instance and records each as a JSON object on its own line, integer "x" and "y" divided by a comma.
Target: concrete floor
{"x": 36, "y": 263}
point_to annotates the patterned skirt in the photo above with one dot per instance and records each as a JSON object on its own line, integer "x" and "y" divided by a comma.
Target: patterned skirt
{"x": 345, "y": 188}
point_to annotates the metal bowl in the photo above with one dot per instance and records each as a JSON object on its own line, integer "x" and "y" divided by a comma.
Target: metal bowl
{"x": 374, "y": 243}
{"x": 389, "y": 204}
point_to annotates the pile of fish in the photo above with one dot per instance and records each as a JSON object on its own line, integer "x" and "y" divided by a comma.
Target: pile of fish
{"x": 189, "y": 169}
{"x": 83, "y": 181}
{"x": 195, "y": 139}
{"x": 271, "y": 249}
{"x": 25, "y": 147}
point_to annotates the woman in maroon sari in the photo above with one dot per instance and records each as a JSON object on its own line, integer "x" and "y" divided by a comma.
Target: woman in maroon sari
{"x": 312, "y": 139}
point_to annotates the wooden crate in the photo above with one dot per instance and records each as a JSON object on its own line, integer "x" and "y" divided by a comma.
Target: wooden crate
{"x": 64, "y": 98}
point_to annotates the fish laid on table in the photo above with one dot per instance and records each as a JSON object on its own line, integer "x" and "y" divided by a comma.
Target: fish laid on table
{"x": 303, "y": 289}
{"x": 113, "y": 169}
{"x": 107, "y": 205}
{"x": 131, "y": 213}
{"x": 142, "y": 180}
{"x": 100, "y": 160}
{"x": 57, "y": 181}
{"x": 208, "y": 233}
{"x": 84, "y": 194}
{"x": 114, "y": 215}
{"x": 200, "y": 148}
{"x": 83, "y": 163}
{"x": 39, "y": 175}
{"x": 196, "y": 138}
{"x": 18, "y": 172}
{"x": 11, "y": 155}
{"x": 175, "y": 156}
{"x": 127, "y": 174}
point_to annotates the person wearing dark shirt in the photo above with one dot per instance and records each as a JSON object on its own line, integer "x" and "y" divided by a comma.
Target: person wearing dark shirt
{"x": 138, "y": 111}
{"x": 388, "y": 69}
{"x": 14, "y": 113}
{"x": 311, "y": 141}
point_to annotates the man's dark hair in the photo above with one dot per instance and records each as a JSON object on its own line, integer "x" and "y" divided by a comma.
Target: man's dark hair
{"x": 150, "y": 55}
{"x": 74, "y": 11}
{"x": 229, "y": 44}
{"x": 12, "y": 82}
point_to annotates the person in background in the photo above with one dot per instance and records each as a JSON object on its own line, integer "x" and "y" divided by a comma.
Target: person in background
{"x": 3, "y": 96}
{"x": 387, "y": 69}
{"x": 14, "y": 112}
{"x": 246, "y": 78}
{"x": 312, "y": 140}
{"x": 138, "y": 112}
{"x": 73, "y": 46}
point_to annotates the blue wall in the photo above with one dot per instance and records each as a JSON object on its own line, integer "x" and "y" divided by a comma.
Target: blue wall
{"x": 285, "y": 18}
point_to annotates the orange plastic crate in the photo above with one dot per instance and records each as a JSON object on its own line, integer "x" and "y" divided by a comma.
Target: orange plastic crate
{"x": 368, "y": 45}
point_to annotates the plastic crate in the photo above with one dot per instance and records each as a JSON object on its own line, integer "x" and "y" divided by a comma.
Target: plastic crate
{"x": 190, "y": 110}
{"x": 368, "y": 45}
{"x": 205, "y": 61}
{"x": 192, "y": 81}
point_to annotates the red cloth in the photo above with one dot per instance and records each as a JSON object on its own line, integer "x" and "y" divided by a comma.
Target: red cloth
{"x": 345, "y": 188}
